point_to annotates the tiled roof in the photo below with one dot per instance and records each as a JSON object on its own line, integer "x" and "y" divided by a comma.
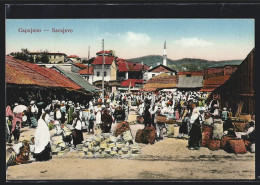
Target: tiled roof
{"x": 213, "y": 83}
{"x": 106, "y": 52}
{"x": 162, "y": 82}
{"x": 131, "y": 82}
{"x": 122, "y": 66}
{"x": 82, "y": 66}
{"x": 190, "y": 72}
{"x": 99, "y": 60}
{"x": 73, "y": 56}
{"x": 120, "y": 60}
{"x": 87, "y": 71}
{"x": 161, "y": 68}
{"x": 136, "y": 66}
{"x": 21, "y": 72}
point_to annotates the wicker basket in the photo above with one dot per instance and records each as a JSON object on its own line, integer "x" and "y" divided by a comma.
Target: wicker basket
{"x": 161, "y": 119}
{"x": 246, "y": 117}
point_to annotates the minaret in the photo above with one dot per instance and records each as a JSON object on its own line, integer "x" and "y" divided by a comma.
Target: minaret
{"x": 164, "y": 55}
{"x": 88, "y": 52}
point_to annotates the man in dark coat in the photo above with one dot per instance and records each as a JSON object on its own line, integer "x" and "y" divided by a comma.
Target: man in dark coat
{"x": 107, "y": 121}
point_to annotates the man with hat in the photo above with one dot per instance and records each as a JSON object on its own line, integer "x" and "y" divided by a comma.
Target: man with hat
{"x": 32, "y": 112}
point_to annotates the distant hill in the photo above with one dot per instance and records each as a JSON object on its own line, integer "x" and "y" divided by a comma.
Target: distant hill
{"x": 185, "y": 64}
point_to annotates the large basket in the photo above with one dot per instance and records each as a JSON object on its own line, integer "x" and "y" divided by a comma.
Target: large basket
{"x": 161, "y": 119}
{"x": 246, "y": 117}
{"x": 171, "y": 121}
{"x": 239, "y": 126}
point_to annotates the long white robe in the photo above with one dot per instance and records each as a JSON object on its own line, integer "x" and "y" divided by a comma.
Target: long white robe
{"x": 42, "y": 136}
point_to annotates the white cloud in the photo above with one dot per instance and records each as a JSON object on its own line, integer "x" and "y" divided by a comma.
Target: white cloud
{"x": 192, "y": 42}
{"x": 131, "y": 38}
{"x": 136, "y": 39}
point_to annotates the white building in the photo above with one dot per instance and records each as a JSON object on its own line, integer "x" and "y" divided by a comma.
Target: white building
{"x": 157, "y": 71}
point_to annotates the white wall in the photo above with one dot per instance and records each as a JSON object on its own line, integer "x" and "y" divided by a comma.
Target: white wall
{"x": 99, "y": 68}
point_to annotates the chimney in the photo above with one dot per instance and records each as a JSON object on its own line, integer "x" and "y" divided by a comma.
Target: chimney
{"x": 142, "y": 63}
{"x": 158, "y": 63}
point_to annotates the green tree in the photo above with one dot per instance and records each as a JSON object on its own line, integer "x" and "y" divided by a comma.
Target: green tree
{"x": 89, "y": 62}
{"x": 45, "y": 57}
{"x": 31, "y": 60}
{"x": 22, "y": 55}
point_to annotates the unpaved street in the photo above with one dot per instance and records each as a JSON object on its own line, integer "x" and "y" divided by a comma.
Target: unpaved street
{"x": 166, "y": 159}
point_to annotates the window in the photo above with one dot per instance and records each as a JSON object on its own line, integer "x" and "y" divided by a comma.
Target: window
{"x": 105, "y": 73}
{"x": 54, "y": 56}
{"x": 98, "y": 73}
{"x": 153, "y": 75}
{"x": 188, "y": 75}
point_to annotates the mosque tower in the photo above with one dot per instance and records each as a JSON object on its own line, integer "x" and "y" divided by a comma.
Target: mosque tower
{"x": 164, "y": 55}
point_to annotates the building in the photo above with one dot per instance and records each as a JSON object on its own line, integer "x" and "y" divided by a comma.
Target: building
{"x": 239, "y": 88}
{"x": 130, "y": 70}
{"x": 77, "y": 78}
{"x": 190, "y": 80}
{"x": 216, "y": 76}
{"x": 74, "y": 58}
{"x": 26, "y": 81}
{"x": 87, "y": 74}
{"x": 110, "y": 71}
{"x": 76, "y": 67}
{"x": 219, "y": 71}
{"x": 54, "y": 58}
{"x": 157, "y": 71}
{"x": 162, "y": 81}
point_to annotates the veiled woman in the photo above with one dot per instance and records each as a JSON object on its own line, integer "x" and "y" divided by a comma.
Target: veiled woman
{"x": 42, "y": 138}
{"x": 195, "y": 132}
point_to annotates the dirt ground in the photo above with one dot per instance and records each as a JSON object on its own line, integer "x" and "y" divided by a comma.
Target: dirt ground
{"x": 166, "y": 159}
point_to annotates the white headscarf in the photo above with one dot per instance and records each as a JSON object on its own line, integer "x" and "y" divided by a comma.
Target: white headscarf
{"x": 42, "y": 135}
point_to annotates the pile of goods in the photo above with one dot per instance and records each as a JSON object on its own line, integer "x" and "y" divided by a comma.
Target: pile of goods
{"x": 212, "y": 137}
{"x": 61, "y": 143}
{"x": 106, "y": 145}
{"x": 121, "y": 128}
{"x": 146, "y": 135}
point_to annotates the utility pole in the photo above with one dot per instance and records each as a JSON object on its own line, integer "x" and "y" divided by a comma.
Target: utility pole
{"x": 103, "y": 93}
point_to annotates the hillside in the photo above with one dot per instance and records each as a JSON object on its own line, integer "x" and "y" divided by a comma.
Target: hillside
{"x": 185, "y": 64}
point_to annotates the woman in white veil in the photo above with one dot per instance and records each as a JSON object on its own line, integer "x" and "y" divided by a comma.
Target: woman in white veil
{"x": 42, "y": 150}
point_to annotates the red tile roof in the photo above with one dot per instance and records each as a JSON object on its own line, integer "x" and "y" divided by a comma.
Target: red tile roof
{"x": 136, "y": 66}
{"x": 162, "y": 81}
{"x": 99, "y": 60}
{"x": 87, "y": 71}
{"x": 122, "y": 66}
{"x": 212, "y": 83}
{"x": 161, "y": 68}
{"x": 106, "y": 52}
{"x": 21, "y": 72}
{"x": 120, "y": 59}
{"x": 199, "y": 73}
{"x": 82, "y": 66}
{"x": 131, "y": 82}
{"x": 73, "y": 56}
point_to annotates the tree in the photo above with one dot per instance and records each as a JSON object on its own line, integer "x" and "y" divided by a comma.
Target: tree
{"x": 31, "y": 60}
{"x": 89, "y": 62}
{"x": 22, "y": 55}
{"x": 45, "y": 57}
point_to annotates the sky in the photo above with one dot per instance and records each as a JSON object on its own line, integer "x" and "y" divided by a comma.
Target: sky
{"x": 210, "y": 39}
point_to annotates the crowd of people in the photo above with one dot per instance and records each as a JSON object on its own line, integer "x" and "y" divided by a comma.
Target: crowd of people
{"x": 189, "y": 108}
